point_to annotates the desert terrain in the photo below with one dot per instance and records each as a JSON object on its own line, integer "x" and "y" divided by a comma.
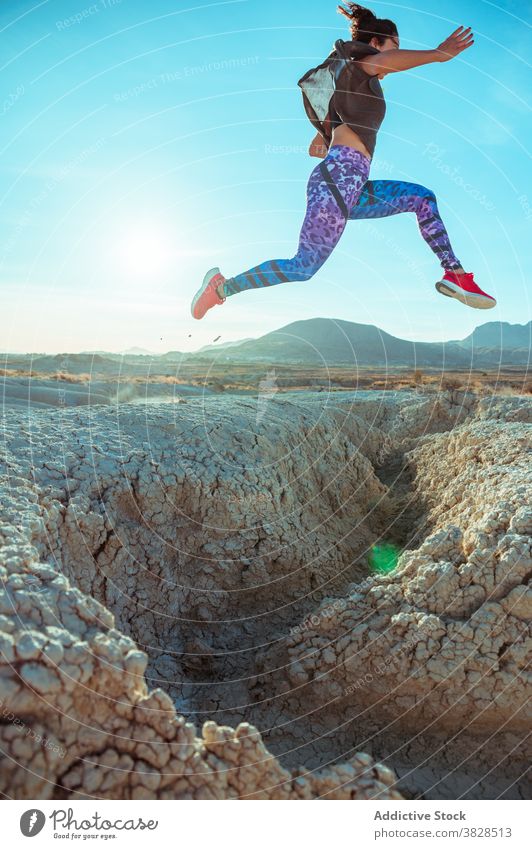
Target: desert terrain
{"x": 274, "y": 588}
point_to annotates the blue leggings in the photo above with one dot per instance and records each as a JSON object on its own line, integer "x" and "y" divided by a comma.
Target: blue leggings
{"x": 338, "y": 191}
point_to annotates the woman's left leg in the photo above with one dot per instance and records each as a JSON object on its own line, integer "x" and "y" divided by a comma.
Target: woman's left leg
{"x": 380, "y": 198}
{"x": 332, "y": 190}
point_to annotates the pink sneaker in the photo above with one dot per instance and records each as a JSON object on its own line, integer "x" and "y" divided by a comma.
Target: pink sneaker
{"x": 463, "y": 288}
{"x": 207, "y": 296}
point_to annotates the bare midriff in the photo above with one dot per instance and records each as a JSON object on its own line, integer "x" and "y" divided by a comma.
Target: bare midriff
{"x": 345, "y": 135}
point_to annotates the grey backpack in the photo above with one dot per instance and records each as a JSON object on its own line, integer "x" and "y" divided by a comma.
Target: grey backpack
{"x": 319, "y": 84}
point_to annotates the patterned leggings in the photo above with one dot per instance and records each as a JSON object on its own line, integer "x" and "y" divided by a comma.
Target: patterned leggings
{"x": 338, "y": 190}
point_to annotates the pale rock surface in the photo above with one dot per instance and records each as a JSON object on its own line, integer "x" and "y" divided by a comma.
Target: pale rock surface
{"x": 214, "y": 557}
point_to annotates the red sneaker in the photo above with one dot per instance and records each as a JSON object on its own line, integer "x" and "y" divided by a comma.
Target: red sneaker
{"x": 463, "y": 288}
{"x": 207, "y": 296}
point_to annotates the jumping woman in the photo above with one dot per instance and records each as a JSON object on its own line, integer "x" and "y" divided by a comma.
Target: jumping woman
{"x": 338, "y": 189}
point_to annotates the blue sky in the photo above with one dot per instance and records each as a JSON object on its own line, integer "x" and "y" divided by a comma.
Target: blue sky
{"x": 144, "y": 143}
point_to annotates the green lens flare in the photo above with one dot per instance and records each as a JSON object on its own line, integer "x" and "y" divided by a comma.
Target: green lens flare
{"x": 383, "y": 558}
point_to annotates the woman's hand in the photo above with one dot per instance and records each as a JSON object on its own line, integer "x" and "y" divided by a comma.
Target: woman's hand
{"x": 457, "y": 42}
{"x": 318, "y": 147}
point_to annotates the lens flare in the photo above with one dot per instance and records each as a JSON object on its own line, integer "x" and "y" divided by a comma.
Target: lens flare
{"x": 383, "y": 558}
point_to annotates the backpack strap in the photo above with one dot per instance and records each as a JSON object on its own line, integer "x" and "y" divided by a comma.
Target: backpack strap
{"x": 345, "y": 51}
{"x": 353, "y": 49}
{"x": 334, "y": 190}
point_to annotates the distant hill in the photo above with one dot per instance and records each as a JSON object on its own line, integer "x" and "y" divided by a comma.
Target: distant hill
{"x": 141, "y": 352}
{"x": 499, "y": 334}
{"x": 320, "y": 341}
{"x": 87, "y": 354}
{"x": 224, "y": 345}
{"x": 324, "y": 341}
{"x": 90, "y": 363}
{"x": 134, "y": 352}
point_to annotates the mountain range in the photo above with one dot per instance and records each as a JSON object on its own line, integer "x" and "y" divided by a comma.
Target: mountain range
{"x": 326, "y": 341}
{"x": 312, "y": 342}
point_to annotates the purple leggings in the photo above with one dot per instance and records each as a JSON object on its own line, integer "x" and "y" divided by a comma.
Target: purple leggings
{"x": 338, "y": 190}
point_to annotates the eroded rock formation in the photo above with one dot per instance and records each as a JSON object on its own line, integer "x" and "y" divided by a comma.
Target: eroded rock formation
{"x": 212, "y": 557}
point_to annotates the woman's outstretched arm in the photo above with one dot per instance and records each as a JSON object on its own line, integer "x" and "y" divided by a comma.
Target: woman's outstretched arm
{"x": 390, "y": 61}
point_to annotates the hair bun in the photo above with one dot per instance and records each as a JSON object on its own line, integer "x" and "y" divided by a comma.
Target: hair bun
{"x": 365, "y": 25}
{"x": 358, "y": 13}
{"x": 362, "y": 16}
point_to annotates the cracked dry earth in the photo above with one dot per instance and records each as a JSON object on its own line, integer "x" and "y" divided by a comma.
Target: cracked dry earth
{"x": 175, "y": 577}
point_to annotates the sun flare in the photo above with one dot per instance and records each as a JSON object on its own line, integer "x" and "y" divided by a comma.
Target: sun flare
{"x": 143, "y": 251}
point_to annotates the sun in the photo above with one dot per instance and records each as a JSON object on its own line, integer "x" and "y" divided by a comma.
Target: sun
{"x": 143, "y": 250}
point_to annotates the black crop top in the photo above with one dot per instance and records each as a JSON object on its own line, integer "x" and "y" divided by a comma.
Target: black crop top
{"x": 358, "y": 100}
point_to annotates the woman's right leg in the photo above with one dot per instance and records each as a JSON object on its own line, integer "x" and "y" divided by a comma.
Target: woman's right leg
{"x": 322, "y": 227}
{"x": 381, "y": 198}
